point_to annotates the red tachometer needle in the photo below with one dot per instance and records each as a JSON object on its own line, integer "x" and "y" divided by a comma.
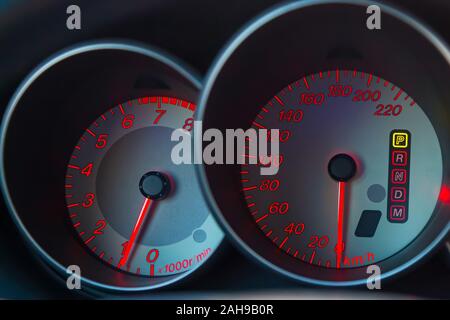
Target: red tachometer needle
{"x": 340, "y": 223}
{"x": 142, "y": 215}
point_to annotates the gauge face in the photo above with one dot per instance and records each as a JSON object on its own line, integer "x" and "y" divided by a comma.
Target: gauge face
{"x": 129, "y": 204}
{"x": 339, "y": 199}
{"x": 360, "y": 170}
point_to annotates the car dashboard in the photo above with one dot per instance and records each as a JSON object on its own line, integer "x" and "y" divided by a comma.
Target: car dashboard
{"x": 88, "y": 113}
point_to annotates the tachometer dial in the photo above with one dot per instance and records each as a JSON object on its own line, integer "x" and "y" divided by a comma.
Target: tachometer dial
{"x": 95, "y": 122}
{"x": 128, "y": 202}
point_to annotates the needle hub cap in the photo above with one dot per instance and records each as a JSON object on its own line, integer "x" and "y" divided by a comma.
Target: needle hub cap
{"x": 155, "y": 185}
{"x": 342, "y": 167}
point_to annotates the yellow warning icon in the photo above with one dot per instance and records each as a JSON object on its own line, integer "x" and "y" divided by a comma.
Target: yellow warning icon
{"x": 400, "y": 140}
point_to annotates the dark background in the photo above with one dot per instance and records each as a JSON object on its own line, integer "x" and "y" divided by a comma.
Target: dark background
{"x": 194, "y": 31}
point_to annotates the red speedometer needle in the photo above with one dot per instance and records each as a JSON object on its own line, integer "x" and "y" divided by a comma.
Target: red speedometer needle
{"x": 340, "y": 223}
{"x": 137, "y": 227}
{"x": 341, "y": 168}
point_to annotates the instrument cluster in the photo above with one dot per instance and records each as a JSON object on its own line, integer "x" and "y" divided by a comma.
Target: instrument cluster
{"x": 356, "y": 118}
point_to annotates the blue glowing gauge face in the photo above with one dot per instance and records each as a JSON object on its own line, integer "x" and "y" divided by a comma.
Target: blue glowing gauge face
{"x": 127, "y": 201}
{"x": 360, "y": 170}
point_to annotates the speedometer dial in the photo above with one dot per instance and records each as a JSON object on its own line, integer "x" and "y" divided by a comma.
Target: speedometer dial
{"x": 364, "y": 147}
{"x": 360, "y": 170}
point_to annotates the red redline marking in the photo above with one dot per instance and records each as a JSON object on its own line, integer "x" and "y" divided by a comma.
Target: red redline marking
{"x": 71, "y": 166}
{"x": 73, "y": 205}
{"x": 82, "y": 233}
{"x": 76, "y": 225}
{"x": 296, "y": 253}
{"x": 412, "y": 103}
{"x": 262, "y": 218}
{"x": 290, "y": 87}
{"x": 337, "y": 75}
{"x": 68, "y": 186}
{"x": 320, "y": 74}
{"x": 264, "y": 109}
{"x": 103, "y": 117}
{"x": 173, "y": 101}
{"x": 121, "y": 109}
{"x": 73, "y": 215}
{"x": 269, "y": 233}
{"x": 254, "y": 212}
{"x": 244, "y": 172}
{"x": 102, "y": 254}
{"x": 78, "y": 147}
{"x": 192, "y": 106}
{"x": 282, "y": 243}
{"x": 251, "y": 205}
{"x": 263, "y": 227}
